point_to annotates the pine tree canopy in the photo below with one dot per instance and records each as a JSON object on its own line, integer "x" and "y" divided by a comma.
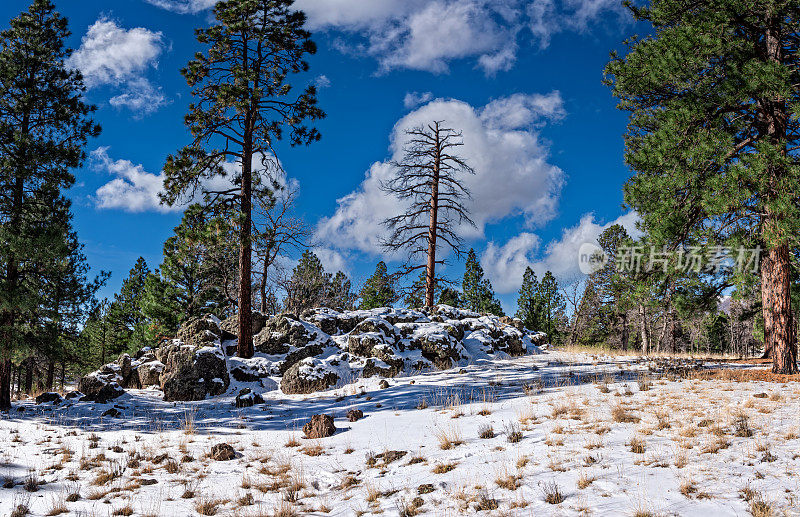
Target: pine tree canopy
{"x": 378, "y": 290}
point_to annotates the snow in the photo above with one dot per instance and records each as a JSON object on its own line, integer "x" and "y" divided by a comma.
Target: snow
{"x": 556, "y": 399}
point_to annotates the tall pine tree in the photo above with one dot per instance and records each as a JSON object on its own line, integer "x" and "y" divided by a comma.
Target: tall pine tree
{"x": 244, "y": 105}
{"x": 44, "y": 126}
{"x": 713, "y": 95}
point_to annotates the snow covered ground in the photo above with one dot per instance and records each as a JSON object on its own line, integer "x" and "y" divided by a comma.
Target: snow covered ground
{"x": 550, "y": 434}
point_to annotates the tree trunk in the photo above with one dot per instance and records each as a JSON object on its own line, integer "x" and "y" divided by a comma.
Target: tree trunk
{"x": 776, "y": 282}
{"x": 51, "y": 372}
{"x": 263, "y": 288}
{"x": 63, "y": 373}
{"x": 624, "y": 337}
{"x": 5, "y": 385}
{"x": 645, "y": 330}
{"x": 29, "y": 375}
{"x": 776, "y": 269}
{"x": 245, "y": 348}
{"x": 430, "y": 276}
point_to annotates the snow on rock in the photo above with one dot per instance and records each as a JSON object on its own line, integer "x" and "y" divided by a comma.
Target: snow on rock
{"x": 320, "y": 350}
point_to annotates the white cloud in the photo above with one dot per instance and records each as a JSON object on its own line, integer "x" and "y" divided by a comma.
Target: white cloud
{"x": 428, "y": 34}
{"x": 133, "y": 190}
{"x": 140, "y": 97}
{"x": 423, "y": 34}
{"x": 549, "y": 17}
{"x": 414, "y": 99}
{"x": 136, "y": 190}
{"x": 322, "y": 82}
{"x": 504, "y": 265}
{"x": 513, "y": 176}
{"x": 110, "y": 54}
{"x": 183, "y": 6}
{"x": 332, "y": 260}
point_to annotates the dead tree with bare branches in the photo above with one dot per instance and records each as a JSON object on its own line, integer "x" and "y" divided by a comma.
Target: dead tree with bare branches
{"x": 429, "y": 180}
{"x": 277, "y": 231}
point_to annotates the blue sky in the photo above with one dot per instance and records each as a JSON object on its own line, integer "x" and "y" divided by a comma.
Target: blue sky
{"x": 521, "y": 78}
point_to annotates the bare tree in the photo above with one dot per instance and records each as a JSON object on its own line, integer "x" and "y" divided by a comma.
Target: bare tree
{"x": 277, "y": 231}
{"x": 429, "y": 179}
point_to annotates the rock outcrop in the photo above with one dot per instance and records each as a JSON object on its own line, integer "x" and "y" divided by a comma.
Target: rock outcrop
{"x": 316, "y": 351}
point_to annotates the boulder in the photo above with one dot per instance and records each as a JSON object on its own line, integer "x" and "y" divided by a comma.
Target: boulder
{"x": 230, "y": 326}
{"x": 383, "y": 384}
{"x": 192, "y": 373}
{"x": 48, "y": 397}
{"x": 320, "y": 426}
{"x": 150, "y": 373}
{"x": 112, "y": 413}
{"x": 354, "y": 415}
{"x": 246, "y": 398}
{"x": 222, "y": 452}
{"x": 285, "y": 331}
{"x": 199, "y": 332}
{"x": 308, "y": 376}
{"x": 98, "y": 388}
{"x": 74, "y": 395}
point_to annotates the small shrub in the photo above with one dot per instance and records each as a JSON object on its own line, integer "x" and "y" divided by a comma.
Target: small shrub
{"x": 486, "y": 431}
{"x": 552, "y": 493}
{"x": 512, "y": 432}
{"x": 638, "y": 445}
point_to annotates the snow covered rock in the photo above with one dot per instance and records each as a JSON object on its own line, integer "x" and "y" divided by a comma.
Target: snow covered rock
{"x": 246, "y": 398}
{"x": 193, "y": 372}
{"x": 99, "y": 388}
{"x": 308, "y": 376}
{"x": 150, "y": 373}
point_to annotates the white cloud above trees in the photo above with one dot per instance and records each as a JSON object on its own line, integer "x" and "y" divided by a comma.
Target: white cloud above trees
{"x": 505, "y": 264}
{"x": 502, "y": 144}
{"x": 110, "y": 55}
{"x": 429, "y": 34}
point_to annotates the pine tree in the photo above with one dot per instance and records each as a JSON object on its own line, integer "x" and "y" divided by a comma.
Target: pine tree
{"x": 245, "y": 104}
{"x": 308, "y": 286}
{"x": 477, "y": 291}
{"x": 528, "y": 303}
{"x": 713, "y": 95}
{"x": 341, "y": 296}
{"x": 378, "y": 290}
{"x": 129, "y": 324}
{"x": 450, "y": 296}
{"x": 44, "y": 126}
{"x": 553, "y": 306}
{"x": 471, "y": 285}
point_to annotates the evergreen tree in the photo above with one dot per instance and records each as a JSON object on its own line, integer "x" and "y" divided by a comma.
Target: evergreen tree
{"x": 245, "y": 103}
{"x": 341, "y": 296}
{"x": 308, "y": 286}
{"x": 415, "y": 295}
{"x": 477, "y": 291}
{"x": 528, "y": 303}
{"x": 378, "y": 290}
{"x": 44, "y": 126}
{"x": 129, "y": 324}
{"x": 450, "y": 296}
{"x": 552, "y": 306}
{"x": 97, "y": 334}
{"x": 713, "y": 95}
{"x": 161, "y": 306}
